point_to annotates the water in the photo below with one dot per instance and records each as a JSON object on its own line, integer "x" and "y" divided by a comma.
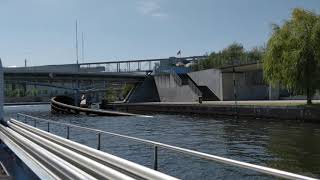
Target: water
{"x": 285, "y": 145}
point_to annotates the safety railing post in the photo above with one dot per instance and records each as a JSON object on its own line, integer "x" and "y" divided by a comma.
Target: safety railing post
{"x": 155, "y": 158}
{"x": 248, "y": 166}
{"x": 48, "y": 126}
{"x": 99, "y": 141}
{"x": 25, "y": 119}
{"x": 68, "y": 132}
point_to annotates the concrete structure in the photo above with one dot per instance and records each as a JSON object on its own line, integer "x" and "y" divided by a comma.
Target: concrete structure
{"x": 176, "y": 85}
{"x": 249, "y": 82}
{"x": 144, "y": 92}
{"x": 171, "y": 82}
{"x": 213, "y": 84}
{"x": 170, "y": 90}
{"x": 210, "y": 78}
{"x": 280, "y": 113}
{"x": 40, "y": 80}
{"x": 49, "y": 82}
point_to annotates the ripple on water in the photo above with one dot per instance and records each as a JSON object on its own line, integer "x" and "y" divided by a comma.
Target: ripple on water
{"x": 285, "y": 145}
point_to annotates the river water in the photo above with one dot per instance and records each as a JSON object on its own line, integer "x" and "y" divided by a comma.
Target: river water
{"x": 286, "y": 145}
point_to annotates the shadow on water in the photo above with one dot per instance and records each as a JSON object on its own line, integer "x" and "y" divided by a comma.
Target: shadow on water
{"x": 286, "y": 145}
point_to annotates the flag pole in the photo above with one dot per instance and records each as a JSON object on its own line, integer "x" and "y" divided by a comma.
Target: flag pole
{"x": 82, "y": 47}
{"x": 77, "y": 42}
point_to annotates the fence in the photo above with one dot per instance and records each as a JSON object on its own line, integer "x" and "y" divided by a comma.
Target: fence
{"x": 156, "y": 145}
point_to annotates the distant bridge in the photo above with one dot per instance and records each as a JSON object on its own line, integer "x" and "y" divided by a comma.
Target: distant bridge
{"x": 142, "y": 65}
{"x": 41, "y": 76}
{"x": 96, "y": 74}
{"x": 128, "y": 66}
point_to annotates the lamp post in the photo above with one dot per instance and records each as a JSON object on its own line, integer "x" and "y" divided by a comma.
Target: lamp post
{"x": 234, "y": 91}
{"x": 78, "y": 69}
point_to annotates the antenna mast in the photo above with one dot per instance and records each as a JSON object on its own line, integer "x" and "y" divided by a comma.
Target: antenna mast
{"x": 82, "y": 47}
{"x": 77, "y": 42}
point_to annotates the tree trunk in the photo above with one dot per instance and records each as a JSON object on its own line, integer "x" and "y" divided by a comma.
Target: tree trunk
{"x": 309, "y": 97}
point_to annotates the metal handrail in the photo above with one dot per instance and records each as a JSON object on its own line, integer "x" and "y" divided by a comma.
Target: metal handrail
{"x": 262, "y": 169}
{"x": 176, "y": 77}
{"x": 194, "y": 88}
{"x": 130, "y": 168}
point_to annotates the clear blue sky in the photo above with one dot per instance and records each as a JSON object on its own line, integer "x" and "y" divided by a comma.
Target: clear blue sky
{"x": 43, "y": 31}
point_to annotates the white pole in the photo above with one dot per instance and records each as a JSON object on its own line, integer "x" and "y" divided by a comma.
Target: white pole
{"x": 82, "y": 47}
{"x": 77, "y": 42}
{"x": 1, "y": 94}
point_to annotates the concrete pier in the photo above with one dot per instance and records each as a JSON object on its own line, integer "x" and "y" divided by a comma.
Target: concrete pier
{"x": 299, "y": 113}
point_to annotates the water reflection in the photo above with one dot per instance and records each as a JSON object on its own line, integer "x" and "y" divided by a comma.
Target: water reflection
{"x": 296, "y": 147}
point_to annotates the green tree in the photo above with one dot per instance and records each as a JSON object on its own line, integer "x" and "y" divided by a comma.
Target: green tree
{"x": 110, "y": 95}
{"x": 292, "y": 55}
{"x": 126, "y": 89}
{"x": 234, "y": 53}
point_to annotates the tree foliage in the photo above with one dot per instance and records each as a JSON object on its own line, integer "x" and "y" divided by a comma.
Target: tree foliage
{"x": 110, "y": 95}
{"x": 126, "y": 89}
{"x": 292, "y": 55}
{"x": 233, "y": 54}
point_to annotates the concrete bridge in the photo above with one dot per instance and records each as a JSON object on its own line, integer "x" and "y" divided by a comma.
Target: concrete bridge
{"x": 126, "y": 66}
{"x": 41, "y": 76}
{"x": 86, "y": 75}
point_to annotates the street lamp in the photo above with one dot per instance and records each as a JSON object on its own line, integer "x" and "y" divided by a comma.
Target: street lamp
{"x": 234, "y": 90}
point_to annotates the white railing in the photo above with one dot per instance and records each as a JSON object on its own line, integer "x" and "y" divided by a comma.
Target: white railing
{"x": 93, "y": 162}
{"x": 156, "y": 145}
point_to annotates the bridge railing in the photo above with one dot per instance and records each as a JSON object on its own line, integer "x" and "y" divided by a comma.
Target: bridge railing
{"x": 194, "y": 88}
{"x": 139, "y": 65}
{"x": 266, "y": 170}
{"x": 176, "y": 77}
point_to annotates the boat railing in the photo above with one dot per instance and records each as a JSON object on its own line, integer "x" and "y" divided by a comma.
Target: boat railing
{"x": 156, "y": 145}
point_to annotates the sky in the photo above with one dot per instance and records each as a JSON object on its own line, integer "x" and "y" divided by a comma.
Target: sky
{"x": 43, "y": 31}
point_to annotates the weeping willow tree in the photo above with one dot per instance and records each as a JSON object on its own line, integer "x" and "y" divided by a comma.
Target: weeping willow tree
{"x": 292, "y": 56}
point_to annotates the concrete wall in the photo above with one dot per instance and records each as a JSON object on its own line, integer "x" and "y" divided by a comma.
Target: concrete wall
{"x": 26, "y": 99}
{"x": 274, "y": 92}
{"x": 210, "y": 78}
{"x": 245, "y": 88}
{"x": 249, "y": 85}
{"x": 278, "y": 113}
{"x": 145, "y": 92}
{"x": 170, "y": 91}
{"x": 227, "y": 86}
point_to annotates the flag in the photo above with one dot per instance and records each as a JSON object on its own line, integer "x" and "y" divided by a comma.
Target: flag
{"x": 179, "y": 52}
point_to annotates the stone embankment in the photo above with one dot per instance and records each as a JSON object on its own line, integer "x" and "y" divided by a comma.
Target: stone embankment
{"x": 306, "y": 114}
{"x": 64, "y": 104}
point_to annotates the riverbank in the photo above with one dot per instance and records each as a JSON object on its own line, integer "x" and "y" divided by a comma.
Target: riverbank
{"x": 296, "y": 112}
{"x": 25, "y": 103}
